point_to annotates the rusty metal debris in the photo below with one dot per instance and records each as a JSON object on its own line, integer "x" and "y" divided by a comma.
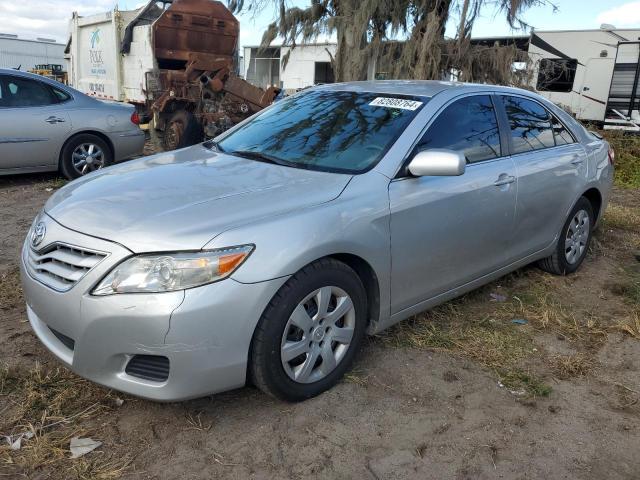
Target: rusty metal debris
{"x": 194, "y": 93}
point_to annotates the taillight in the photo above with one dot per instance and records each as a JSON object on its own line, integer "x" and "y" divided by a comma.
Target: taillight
{"x": 135, "y": 118}
{"x": 612, "y": 155}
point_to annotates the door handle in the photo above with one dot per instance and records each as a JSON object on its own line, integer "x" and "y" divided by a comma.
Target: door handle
{"x": 504, "y": 180}
{"x": 577, "y": 161}
{"x": 53, "y": 120}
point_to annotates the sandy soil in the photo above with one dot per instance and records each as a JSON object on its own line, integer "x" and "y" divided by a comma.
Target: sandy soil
{"x": 405, "y": 413}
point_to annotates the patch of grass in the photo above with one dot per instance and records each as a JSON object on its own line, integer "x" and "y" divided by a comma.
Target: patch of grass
{"x": 620, "y": 216}
{"x": 520, "y": 380}
{"x": 627, "y": 286}
{"x": 627, "y": 167}
{"x": 630, "y": 326}
{"x": 357, "y": 377}
{"x": 540, "y": 304}
{"x": 481, "y": 329}
{"x": 630, "y": 290}
{"x": 460, "y": 328}
{"x": 56, "y": 183}
{"x": 569, "y": 366}
{"x": 10, "y": 289}
{"x": 52, "y": 403}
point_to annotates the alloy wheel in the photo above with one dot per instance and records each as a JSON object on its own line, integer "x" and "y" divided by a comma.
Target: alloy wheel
{"x": 87, "y": 157}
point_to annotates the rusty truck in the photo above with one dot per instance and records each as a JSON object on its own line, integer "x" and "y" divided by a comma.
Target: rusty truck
{"x": 176, "y": 61}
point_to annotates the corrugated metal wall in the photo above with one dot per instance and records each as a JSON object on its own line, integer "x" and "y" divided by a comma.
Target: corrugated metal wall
{"x": 29, "y": 53}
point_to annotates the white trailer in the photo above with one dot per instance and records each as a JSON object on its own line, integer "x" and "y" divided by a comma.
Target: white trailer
{"x": 591, "y": 73}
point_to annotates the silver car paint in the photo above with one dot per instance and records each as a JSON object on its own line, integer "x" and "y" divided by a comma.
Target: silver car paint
{"x": 188, "y": 196}
{"x": 426, "y": 239}
{"x": 32, "y": 138}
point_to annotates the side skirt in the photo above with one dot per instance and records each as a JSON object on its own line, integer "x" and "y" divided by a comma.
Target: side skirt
{"x": 461, "y": 290}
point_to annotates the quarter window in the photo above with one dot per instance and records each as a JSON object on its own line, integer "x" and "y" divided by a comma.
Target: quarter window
{"x": 469, "y": 126}
{"x": 530, "y": 124}
{"x": 561, "y": 134}
{"x": 60, "y": 95}
{"x": 24, "y": 92}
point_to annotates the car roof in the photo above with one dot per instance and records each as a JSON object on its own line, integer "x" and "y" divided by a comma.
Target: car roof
{"x": 61, "y": 86}
{"x": 20, "y": 73}
{"x": 421, "y": 88}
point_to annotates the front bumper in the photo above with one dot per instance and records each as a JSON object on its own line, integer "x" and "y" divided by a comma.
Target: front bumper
{"x": 205, "y": 332}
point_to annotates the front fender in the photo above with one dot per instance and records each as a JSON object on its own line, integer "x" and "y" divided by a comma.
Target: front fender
{"x": 356, "y": 223}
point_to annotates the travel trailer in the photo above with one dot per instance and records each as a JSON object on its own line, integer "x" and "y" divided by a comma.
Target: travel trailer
{"x": 594, "y": 74}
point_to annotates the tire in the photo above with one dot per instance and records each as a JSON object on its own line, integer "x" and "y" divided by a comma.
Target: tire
{"x": 83, "y": 154}
{"x": 182, "y": 130}
{"x": 562, "y": 262}
{"x": 276, "y": 375}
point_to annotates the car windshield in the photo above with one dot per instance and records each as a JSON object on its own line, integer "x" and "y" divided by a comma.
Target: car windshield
{"x": 336, "y": 131}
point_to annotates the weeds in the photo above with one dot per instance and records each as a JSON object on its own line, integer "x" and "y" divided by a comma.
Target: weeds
{"x": 483, "y": 330}
{"x": 464, "y": 327}
{"x": 627, "y": 148}
{"x": 630, "y": 326}
{"x": 620, "y": 216}
{"x": 519, "y": 380}
{"x": 51, "y": 404}
{"x": 569, "y": 366}
{"x": 357, "y": 377}
{"x": 56, "y": 183}
{"x": 10, "y": 289}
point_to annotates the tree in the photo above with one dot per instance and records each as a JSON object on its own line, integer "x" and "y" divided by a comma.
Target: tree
{"x": 367, "y": 32}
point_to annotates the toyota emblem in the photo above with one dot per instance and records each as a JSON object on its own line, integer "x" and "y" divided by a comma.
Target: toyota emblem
{"x": 38, "y": 234}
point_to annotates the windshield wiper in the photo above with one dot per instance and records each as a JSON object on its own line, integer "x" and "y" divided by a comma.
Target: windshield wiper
{"x": 261, "y": 157}
{"x": 213, "y": 145}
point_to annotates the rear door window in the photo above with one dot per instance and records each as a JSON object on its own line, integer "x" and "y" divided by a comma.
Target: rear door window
{"x": 25, "y": 92}
{"x": 469, "y": 126}
{"x": 530, "y": 124}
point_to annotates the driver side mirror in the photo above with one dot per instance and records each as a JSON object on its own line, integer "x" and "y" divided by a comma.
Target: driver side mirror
{"x": 437, "y": 162}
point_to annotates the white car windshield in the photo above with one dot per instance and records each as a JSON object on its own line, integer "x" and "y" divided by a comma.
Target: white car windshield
{"x": 337, "y": 131}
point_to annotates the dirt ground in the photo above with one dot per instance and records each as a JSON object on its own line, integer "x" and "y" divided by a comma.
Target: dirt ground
{"x": 461, "y": 392}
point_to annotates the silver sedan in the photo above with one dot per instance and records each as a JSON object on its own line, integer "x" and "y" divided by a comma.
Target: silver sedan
{"x": 269, "y": 253}
{"x": 47, "y": 126}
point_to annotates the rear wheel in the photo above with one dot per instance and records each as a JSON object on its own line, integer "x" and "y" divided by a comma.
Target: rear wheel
{"x": 310, "y": 332}
{"x": 182, "y": 130}
{"x": 573, "y": 242}
{"x": 84, "y": 154}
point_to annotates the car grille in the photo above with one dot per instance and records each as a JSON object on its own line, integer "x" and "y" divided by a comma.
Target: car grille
{"x": 149, "y": 367}
{"x": 61, "y": 266}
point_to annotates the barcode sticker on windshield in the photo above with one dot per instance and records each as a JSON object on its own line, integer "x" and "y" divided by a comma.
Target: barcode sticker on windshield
{"x": 391, "y": 102}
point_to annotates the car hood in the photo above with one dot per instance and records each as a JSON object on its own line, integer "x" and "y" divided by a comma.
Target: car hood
{"x": 181, "y": 200}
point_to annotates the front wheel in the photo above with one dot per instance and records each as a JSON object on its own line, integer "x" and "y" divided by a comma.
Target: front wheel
{"x": 310, "y": 332}
{"x": 573, "y": 242}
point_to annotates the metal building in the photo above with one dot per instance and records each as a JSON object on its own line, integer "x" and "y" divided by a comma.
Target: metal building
{"x": 20, "y": 52}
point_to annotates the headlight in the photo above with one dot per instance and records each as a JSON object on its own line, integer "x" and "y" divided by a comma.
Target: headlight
{"x": 172, "y": 271}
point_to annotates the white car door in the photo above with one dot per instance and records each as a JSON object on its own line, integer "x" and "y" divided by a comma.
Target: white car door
{"x": 33, "y": 123}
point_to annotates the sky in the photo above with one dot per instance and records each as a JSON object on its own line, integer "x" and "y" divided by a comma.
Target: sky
{"x": 49, "y": 18}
